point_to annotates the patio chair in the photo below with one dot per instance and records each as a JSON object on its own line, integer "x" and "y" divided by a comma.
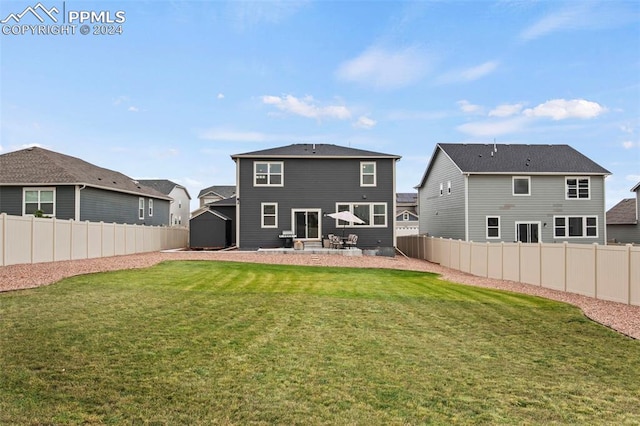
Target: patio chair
{"x": 335, "y": 241}
{"x": 352, "y": 240}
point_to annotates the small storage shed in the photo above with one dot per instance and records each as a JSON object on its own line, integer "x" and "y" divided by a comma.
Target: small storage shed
{"x": 210, "y": 229}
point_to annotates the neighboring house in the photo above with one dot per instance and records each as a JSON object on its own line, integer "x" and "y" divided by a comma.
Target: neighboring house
{"x": 216, "y": 193}
{"x": 498, "y": 192}
{"x": 38, "y": 181}
{"x": 407, "y": 213}
{"x": 622, "y": 220}
{"x": 179, "y": 210}
{"x": 293, "y": 188}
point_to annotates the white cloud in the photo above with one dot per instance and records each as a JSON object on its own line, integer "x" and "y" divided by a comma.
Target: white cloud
{"x": 133, "y": 109}
{"x": 220, "y": 96}
{"x": 630, "y": 144}
{"x": 468, "y": 107}
{"x": 469, "y": 74}
{"x": 247, "y": 15}
{"x": 560, "y": 109}
{"x": 582, "y": 16}
{"x": 505, "y": 110}
{"x": 307, "y": 107}
{"x": 553, "y": 22}
{"x": 386, "y": 69}
{"x": 364, "y": 123}
{"x": 633, "y": 178}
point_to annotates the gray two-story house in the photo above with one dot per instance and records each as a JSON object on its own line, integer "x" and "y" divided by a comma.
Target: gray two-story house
{"x": 179, "y": 209}
{"x": 295, "y": 187}
{"x": 36, "y": 181}
{"x": 501, "y": 192}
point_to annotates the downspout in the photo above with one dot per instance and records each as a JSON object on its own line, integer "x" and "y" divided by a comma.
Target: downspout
{"x": 466, "y": 207}
{"x": 237, "y": 202}
{"x": 76, "y": 213}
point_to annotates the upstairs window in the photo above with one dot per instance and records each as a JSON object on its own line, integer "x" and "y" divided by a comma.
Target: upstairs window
{"x": 578, "y": 188}
{"x": 448, "y": 187}
{"x": 367, "y": 174}
{"x": 140, "y": 208}
{"x": 150, "y": 207}
{"x": 521, "y": 185}
{"x": 39, "y": 201}
{"x": 268, "y": 173}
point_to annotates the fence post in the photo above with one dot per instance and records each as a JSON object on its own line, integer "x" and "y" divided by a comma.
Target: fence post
{"x": 565, "y": 246}
{"x": 595, "y": 270}
{"x": 629, "y": 273}
{"x": 33, "y": 237}
{"x": 3, "y": 243}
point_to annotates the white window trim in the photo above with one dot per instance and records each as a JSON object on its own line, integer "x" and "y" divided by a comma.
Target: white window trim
{"x": 526, "y": 222}
{"x": 584, "y": 227}
{"x": 441, "y": 189}
{"x": 577, "y": 178}
{"x": 448, "y": 187}
{"x": 371, "y": 215}
{"x": 150, "y": 207}
{"x": 39, "y": 189}
{"x": 486, "y": 227}
{"x": 141, "y": 208}
{"x": 513, "y": 186}
{"x": 262, "y": 215}
{"x": 363, "y": 174}
{"x": 268, "y": 163}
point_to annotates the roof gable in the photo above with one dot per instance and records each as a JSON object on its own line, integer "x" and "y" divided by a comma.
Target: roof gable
{"x": 623, "y": 213}
{"x": 224, "y": 191}
{"x": 313, "y": 150}
{"x": 39, "y": 166}
{"x": 162, "y": 185}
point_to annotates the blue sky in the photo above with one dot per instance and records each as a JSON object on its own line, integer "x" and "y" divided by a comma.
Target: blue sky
{"x": 187, "y": 84}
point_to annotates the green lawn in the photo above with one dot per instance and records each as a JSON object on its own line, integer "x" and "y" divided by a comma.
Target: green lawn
{"x": 236, "y": 343}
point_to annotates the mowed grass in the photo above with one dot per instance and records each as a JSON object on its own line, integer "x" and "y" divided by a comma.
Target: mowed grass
{"x": 232, "y": 343}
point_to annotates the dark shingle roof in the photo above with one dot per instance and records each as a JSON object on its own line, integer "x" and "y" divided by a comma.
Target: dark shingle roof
{"x": 224, "y": 191}
{"x": 231, "y": 201}
{"x": 623, "y": 213}
{"x": 162, "y": 185}
{"x": 526, "y": 159}
{"x": 39, "y": 166}
{"x": 318, "y": 150}
{"x": 407, "y": 197}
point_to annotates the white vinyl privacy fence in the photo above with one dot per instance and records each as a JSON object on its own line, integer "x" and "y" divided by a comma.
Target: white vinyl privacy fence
{"x": 32, "y": 240}
{"x": 602, "y": 272}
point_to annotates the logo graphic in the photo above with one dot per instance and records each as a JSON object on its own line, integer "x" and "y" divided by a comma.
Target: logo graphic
{"x": 40, "y": 20}
{"x": 34, "y": 11}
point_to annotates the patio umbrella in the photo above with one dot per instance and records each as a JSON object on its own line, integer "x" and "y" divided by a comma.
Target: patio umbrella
{"x": 345, "y": 216}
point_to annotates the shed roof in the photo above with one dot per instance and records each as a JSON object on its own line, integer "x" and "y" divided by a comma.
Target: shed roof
{"x": 39, "y": 166}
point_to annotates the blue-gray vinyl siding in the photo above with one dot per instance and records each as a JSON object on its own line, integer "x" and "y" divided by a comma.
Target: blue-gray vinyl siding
{"x": 442, "y": 215}
{"x": 492, "y": 195}
{"x": 11, "y": 200}
{"x": 314, "y": 183}
{"x": 98, "y": 205}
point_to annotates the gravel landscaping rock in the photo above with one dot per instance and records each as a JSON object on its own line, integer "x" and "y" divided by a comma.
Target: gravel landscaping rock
{"x": 623, "y": 318}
